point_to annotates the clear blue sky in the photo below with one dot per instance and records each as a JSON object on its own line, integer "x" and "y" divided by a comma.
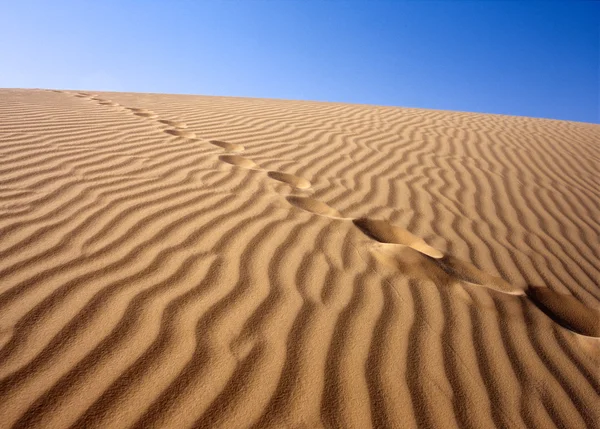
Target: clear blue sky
{"x": 519, "y": 57}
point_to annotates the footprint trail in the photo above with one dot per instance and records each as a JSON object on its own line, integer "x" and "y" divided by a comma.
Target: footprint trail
{"x": 565, "y": 310}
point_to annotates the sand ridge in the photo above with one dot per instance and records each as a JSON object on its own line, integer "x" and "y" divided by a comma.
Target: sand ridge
{"x": 196, "y": 275}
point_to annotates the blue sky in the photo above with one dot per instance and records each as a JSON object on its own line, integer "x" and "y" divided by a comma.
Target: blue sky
{"x": 519, "y": 57}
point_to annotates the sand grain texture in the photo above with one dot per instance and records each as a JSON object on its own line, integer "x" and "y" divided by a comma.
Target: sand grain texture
{"x": 185, "y": 261}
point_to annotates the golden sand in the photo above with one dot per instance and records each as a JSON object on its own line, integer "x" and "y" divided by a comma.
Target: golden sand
{"x": 185, "y": 261}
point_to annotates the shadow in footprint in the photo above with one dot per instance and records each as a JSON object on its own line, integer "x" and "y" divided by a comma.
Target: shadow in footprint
{"x": 173, "y": 123}
{"x": 229, "y": 147}
{"x": 290, "y": 179}
{"x": 238, "y": 161}
{"x": 313, "y": 206}
{"x": 566, "y": 310}
{"x": 141, "y": 112}
{"x": 385, "y": 232}
{"x": 146, "y": 115}
{"x": 181, "y": 133}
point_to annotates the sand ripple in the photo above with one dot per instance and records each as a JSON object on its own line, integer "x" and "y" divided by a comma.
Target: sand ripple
{"x": 146, "y": 280}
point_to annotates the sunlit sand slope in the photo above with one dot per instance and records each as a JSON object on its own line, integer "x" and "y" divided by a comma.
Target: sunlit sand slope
{"x": 185, "y": 261}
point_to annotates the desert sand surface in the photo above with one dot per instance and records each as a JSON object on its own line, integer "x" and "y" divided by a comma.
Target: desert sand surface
{"x": 174, "y": 261}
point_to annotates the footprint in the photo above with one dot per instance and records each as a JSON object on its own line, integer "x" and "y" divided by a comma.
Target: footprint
{"x": 229, "y": 147}
{"x": 173, "y": 123}
{"x": 566, "y": 310}
{"x": 238, "y": 161}
{"x": 313, "y": 206}
{"x": 290, "y": 179}
{"x": 146, "y": 114}
{"x": 468, "y": 272}
{"x": 108, "y": 103}
{"x": 181, "y": 133}
{"x": 385, "y": 232}
{"x": 393, "y": 259}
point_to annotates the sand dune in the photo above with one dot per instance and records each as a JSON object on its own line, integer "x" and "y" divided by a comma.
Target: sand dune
{"x": 186, "y": 261}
